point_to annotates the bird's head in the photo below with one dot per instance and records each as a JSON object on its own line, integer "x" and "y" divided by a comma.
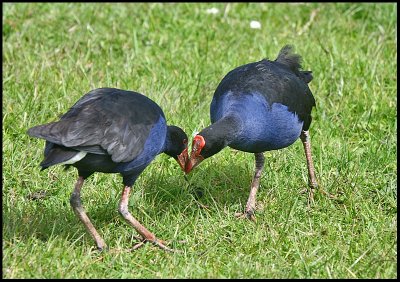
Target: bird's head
{"x": 176, "y": 145}
{"x": 205, "y": 144}
{"x": 211, "y": 140}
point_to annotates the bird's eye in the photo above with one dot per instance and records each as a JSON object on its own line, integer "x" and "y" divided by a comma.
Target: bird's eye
{"x": 185, "y": 141}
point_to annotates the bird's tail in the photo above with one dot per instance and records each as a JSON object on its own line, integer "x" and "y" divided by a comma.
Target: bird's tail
{"x": 55, "y": 154}
{"x": 293, "y": 61}
{"x": 287, "y": 57}
{"x": 44, "y": 131}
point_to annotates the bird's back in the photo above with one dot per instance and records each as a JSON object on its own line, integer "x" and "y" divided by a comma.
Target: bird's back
{"x": 280, "y": 81}
{"x": 114, "y": 125}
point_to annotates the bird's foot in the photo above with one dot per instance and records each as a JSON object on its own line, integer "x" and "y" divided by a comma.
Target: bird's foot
{"x": 101, "y": 245}
{"x": 311, "y": 191}
{"x": 103, "y": 248}
{"x": 157, "y": 242}
{"x": 310, "y": 199}
{"x": 328, "y": 194}
{"x": 249, "y": 214}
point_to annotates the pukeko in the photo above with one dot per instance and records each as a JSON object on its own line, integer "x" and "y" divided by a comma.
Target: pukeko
{"x": 258, "y": 107}
{"x": 111, "y": 131}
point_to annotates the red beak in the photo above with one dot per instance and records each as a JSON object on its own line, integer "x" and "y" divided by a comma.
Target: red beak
{"x": 183, "y": 158}
{"x": 193, "y": 162}
{"x": 195, "y": 157}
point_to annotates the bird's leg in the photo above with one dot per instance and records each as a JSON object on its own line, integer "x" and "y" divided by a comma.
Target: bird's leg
{"x": 251, "y": 202}
{"x": 146, "y": 234}
{"x": 76, "y": 204}
{"x": 312, "y": 181}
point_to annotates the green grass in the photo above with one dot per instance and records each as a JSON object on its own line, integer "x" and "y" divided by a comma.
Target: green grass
{"x": 176, "y": 54}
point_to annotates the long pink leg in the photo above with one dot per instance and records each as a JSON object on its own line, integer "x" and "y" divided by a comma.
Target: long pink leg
{"x": 305, "y": 139}
{"x": 76, "y": 204}
{"x": 251, "y": 202}
{"x": 146, "y": 234}
{"x": 312, "y": 182}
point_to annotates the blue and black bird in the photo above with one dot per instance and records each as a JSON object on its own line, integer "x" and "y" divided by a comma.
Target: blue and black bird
{"x": 111, "y": 131}
{"x": 258, "y": 107}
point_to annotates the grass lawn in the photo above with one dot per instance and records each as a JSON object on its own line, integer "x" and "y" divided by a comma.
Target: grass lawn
{"x": 177, "y": 54}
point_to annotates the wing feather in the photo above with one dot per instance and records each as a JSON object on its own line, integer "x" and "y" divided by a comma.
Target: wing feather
{"x": 105, "y": 120}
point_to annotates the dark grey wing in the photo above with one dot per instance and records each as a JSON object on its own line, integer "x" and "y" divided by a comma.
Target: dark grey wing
{"x": 276, "y": 82}
{"x": 288, "y": 88}
{"x": 105, "y": 121}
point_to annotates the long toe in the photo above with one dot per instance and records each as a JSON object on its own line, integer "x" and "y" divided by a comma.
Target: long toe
{"x": 250, "y": 215}
{"x": 310, "y": 200}
{"x": 162, "y": 244}
{"x": 328, "y": 194}
{"x": 247, "y": 214}
{"x": 157, "y": 242}
{"x": 138, "y": 245}
{"x": 311, "y": 193}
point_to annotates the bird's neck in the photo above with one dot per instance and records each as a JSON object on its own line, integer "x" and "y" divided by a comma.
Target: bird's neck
{"x": 220, "y": 134}
{"x": 169, "y": 147}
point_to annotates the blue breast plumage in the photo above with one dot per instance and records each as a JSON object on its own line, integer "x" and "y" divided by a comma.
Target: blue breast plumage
{"x": 263, "y": 127}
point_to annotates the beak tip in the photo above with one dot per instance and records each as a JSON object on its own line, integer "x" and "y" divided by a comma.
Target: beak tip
{"x": 187, "y": 169}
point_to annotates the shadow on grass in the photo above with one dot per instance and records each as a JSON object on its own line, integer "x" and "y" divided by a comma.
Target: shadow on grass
{"x": 52, "y": 216}
{"x": 222, "y": 185}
